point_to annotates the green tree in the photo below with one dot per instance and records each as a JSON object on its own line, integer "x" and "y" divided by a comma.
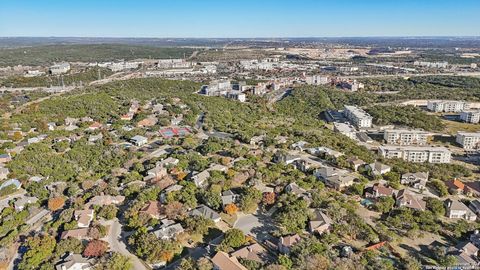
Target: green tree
{"x": 115, "y": 261}
{"x": 384, "y": 204}
{"x": 68, "y": 245}
{"x": 436, "y": 206}
{"x": 234, "y": 238}
{"x": 108, "y": 212}
{"x": 39, "y": 250}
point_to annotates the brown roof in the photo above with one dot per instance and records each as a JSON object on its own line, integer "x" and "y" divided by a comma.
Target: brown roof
{"x": 410, "y": 200}
{"x": 290, "y": 240}
{"x": 153, "y": 208}
{"x": 223, "y": 261}
{"x": 253, "y": 252}
{"x": 76, "y": 233}
{"x": 96, "y": 125}
{"x": 147, "y": 122}
{"x": 383, "y": 190}
{"x": 84, "y": 216}
{"x": 455, "y": 184}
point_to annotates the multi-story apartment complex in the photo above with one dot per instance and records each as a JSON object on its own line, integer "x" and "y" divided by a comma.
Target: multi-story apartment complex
{"x": 358, "y": 117}
{"x": 316, "y": 80}
{"x": 173, "y": 63}
{"x": 417, "y": 154}
{"x": 431, "y": 64}
{"x": 405, "y": 137}
{"x": 468, "y": 140}
{"x": 59, "y": 68}
{"x": 447, "y": 106}
{"x": 345, "y": 129}
{"x": 470, "y": 117}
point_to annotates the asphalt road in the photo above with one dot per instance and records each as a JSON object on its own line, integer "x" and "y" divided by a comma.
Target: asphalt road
{"x": 116, "y": 242}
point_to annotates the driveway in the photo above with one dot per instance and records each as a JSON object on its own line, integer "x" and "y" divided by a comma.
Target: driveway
{"x": 258, "y": 225}
{"x": 117, "y": 243}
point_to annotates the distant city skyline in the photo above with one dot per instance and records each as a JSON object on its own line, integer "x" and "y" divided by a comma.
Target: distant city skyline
{"x": 239, "y": 19}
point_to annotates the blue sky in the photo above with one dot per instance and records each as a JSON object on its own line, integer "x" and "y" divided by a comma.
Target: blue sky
{"x": 239, "y": 18}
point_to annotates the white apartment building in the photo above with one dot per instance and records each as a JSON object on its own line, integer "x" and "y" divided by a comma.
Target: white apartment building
{"x": 417, "y": 154}
{"x": 468, "y": 140}
{"x": 123, "y": 66}
{"x": 316, "y": 80}
{"x": 447, "y": 106}
{"x": 357, "y": 116}
{"x": 345, "y": 129}
{"x": 59, "y": 68}
{"x": 173, "y": 63}
{"x": 470, "y": 117}
{"x": 431, "y": 64}
{"x": 237, "y": 95}
{"x": 216, "y": 88}
{"x": 405, "y": 137}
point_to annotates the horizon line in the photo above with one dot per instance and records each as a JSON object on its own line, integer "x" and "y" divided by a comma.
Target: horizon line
{"x": 278, "y": 37}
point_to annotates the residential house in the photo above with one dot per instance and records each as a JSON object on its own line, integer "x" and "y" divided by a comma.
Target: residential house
{"x": 4, "y": 158}
{"x": 94, "y": 126}
{"x": 285, "y": 158}
{"x": 21, "y": 202}
{"x": 80, "y": 234}
{"x": 355, "y": 163}
{"x": 229, "y": 197}
{"x": 170, "y": 161}
{"x": 84, "y": 217}
{"x": 455, "y": 186}
{"x": 466, "y": 254}
{"x": 200, "y": 179}
{"x": 300, "y": 145}
{"x": 254, "y": 252}
{"x": 206, "y": 212}
{"x": 147, "y": 122}
{"x": 4, "y": 173}
{"x": 94, "y": 138}
{"x": 319, "y": 223}
{"x": 36, "y": 179}
{"x": 218, "y": 167}
{"x": 71, "y": 121}
{"x": 295, "y": 189}
{"x": 168, "y": 230}
{"x": 378, "y": 168}
{"x": 154, "y": 209}
{"x": 324, "y": 151}
{"x": 223, "y": 261}
{"x": 416, "y": 180}
{"x": 139, "y": 140}
{"x": 306, "y": 164}
{"x": 334, "y": 177}
{"x": 287, "y": 242}
{"x": 457, "y": 209}
{"x": 103, "y": 200}
{"x": 73, "y": 262}
{"x": 156, "y": 174}
{"x": 407, "y": 199}
{"x": 379, "y": 190}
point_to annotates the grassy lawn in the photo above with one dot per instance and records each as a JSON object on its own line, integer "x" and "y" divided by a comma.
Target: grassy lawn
{"x": 229, "y": 219}
{"x": 452, "y": 127}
